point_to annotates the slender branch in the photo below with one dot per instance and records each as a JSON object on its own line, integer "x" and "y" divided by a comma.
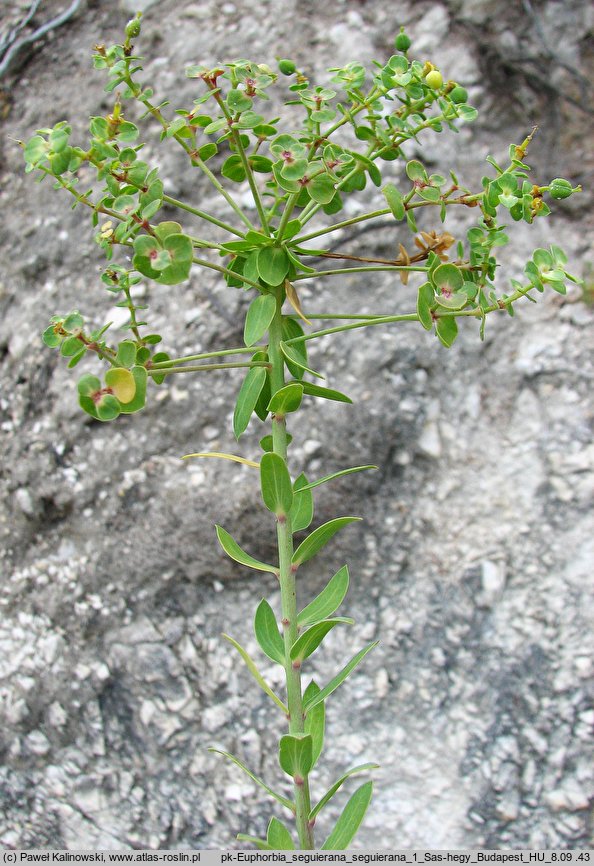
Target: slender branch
{"x": 365, "y": 269}
{"x": 204, "y": 263}
{"x": 476, "y": 312}
{"x": 132, "y": 311}
{"x": 174, "y": 202}
{"x": 201, "y": 368}
{"x": 341, "y": 225}
{"x": 236, "y": 136}
{"x": 191, "y": 151}
{"x": 159, "y": 365}
{"x": 80, "y": 197}
{"x": 373, "y": 94}
{"x": 340, "y": 316}
{"x": 383, "y": 320}
{"x": 289, "y": 207}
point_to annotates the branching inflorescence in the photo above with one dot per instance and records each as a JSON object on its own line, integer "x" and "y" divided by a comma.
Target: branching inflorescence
{"x": 347, "y": 134}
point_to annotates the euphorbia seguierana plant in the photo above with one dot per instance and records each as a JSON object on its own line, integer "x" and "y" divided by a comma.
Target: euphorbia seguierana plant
{"x": 352, "y": 131}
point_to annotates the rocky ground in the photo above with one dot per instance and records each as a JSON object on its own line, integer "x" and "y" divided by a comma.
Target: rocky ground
{"x": 473, "y": 565}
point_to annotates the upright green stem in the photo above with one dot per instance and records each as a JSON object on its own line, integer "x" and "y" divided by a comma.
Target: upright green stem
{"x": 288, "y": 586}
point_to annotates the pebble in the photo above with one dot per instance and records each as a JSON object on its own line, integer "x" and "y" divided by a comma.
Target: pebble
{"x": 381, "y": 683}
{"x": 570, "y": 795}
{"x": 508, "y": 807}
{"x": 429, "y": 442}
{"x": 25, "y": 502}
{"x": 492, "y": 582}
{"x": 37, "y": 743}
{"x": 133, "y": 6}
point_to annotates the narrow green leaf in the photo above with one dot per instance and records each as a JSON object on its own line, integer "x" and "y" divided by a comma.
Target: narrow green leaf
{"x": 350, "y": 819}
{"x": 318, "y": 538}
{"x": 287, "y": 399}
{"x": 315, "y": 722}
{"x": 361, "y": 768}
{"x": 292, "y": 356}
{"x": 291, "y": 328}
{"x": 267, "y": 633}
{"x": 325, "y": 393}
{"x": 329, "y": 599}
{"x": 411, "y": 221}
{"x": 259, "y": 316}
{"x": 300, "y": 265}
{"x": 394, "y": 199}
{"x": 278, "y": 797}
{"x": 278, "y": 837}
{"x": 257, "y": 239}
{"x": 247, "y": 399}
{"x": 309, "y": 641}
{"x": 261, "y": 844}
{"x": 295, "y": 754}
{"x": 250, "y": 271}
{"x": 339, "y": 678}
{"x": 251, "y": 666}
{"x": 261, "y": 407}
{"x": 234, "y": 551}
{"x": 275, "y": 482}
{"x": 425, "y": 300}
{"x": 338, "y": 475}
{"x": 75, "y": 359}
{"x": 223, "y": 456}
{"x": 302, "y": 511}
{"x": 447, "y": 329}
{"x": 273, "y": 265}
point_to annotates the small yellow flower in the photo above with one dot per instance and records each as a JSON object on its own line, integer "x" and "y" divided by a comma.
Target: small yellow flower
{"x": 106, "y": 230}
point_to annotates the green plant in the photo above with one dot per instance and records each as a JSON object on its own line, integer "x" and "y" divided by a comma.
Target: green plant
{"x": 332, "y": 152}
